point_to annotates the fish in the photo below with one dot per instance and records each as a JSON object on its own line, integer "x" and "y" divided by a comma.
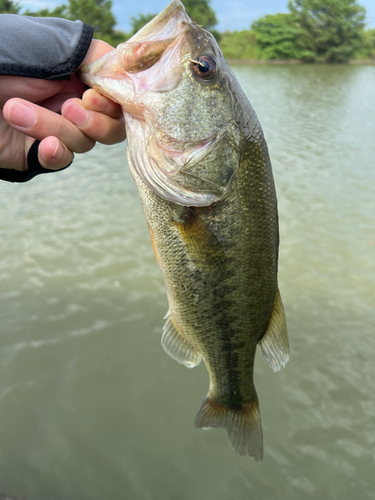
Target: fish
{"x": 199, "y": 159}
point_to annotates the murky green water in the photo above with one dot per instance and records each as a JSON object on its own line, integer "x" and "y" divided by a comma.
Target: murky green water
{"x": 92, "y": 408}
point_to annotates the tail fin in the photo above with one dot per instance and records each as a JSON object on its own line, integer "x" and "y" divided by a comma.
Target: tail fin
{"x": 244, "y": 426}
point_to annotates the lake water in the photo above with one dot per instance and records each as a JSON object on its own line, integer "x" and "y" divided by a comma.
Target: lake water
{"x": 92, "y": 408}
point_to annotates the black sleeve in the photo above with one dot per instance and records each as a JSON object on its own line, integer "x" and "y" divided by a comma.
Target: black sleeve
{"x": 42, "y": 47}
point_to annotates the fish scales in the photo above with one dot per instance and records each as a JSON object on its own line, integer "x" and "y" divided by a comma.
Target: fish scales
{"x": 230, "y": 308}
{"x": 198, "y": 157}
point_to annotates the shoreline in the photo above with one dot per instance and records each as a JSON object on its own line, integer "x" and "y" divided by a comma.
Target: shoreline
{"x": 291, "y": 61}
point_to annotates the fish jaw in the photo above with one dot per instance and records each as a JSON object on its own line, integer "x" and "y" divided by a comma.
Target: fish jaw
{"x": 125, "y": 73}
{"x": 114, "y": 74}
{"x": 107, "y": 77}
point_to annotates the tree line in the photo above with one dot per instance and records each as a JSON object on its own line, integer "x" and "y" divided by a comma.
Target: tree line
{"x": 327, "y": 31}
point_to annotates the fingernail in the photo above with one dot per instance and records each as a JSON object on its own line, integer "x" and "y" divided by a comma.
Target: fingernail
{"x": 76, "y": 114}
{"x": 21, "y": 115}
{"x": 58, "y": 153}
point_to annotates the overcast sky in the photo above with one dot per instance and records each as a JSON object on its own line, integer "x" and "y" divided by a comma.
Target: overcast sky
{"x": 232, "y": 15}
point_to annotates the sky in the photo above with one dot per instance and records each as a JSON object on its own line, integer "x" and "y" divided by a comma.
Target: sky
{"x": 232, "y": 15}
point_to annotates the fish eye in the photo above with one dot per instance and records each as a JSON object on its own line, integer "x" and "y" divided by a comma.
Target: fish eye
{"x": 205, "y": 67}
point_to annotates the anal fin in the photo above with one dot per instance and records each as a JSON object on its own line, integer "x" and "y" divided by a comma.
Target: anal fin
{"x": 274, "y": 343}
{"x": 177, "y": 346}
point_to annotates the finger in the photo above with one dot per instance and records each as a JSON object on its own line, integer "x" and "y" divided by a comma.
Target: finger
{"x": 39, "y": 123}
{"x": 12, "y": 147}
{"x": 31, "y": 89}
{"x": 97, "y": 126}
{"x": 72, "y": 88}
{"x": 94, "y": 101}
{"x": 53, "y": 154}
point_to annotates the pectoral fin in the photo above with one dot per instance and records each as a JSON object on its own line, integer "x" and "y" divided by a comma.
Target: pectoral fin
{"x": 202, "y": 243}
{"x": 154, "y": 247}
{"x": 177, "y": 346}
{"x": 274, "y": 343}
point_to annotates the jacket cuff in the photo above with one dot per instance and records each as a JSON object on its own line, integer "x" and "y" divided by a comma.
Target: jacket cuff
{"x": 54, "y": 53}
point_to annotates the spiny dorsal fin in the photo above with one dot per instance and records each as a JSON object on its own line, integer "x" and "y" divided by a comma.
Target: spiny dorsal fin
{"x": 274, "y": 343}
{"x": 176, "y": 345}
{"x": 244, "y": 426}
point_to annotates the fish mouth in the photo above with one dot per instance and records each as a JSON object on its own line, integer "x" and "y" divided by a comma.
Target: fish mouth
{"x": 125, "y": 73}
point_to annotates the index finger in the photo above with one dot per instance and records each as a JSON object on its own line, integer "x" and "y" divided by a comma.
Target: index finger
{"x": 39, "y": 123}
{"x": 31, "y": 89}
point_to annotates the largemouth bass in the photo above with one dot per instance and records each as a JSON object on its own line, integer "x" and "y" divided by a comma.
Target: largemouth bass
{"x": 199, "y": 159}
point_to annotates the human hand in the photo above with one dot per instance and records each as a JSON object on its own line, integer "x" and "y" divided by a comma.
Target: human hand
{"x": 29, "y": 110}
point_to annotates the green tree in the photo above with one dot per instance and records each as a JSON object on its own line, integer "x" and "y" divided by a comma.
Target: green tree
{"x": 201, "y": 13}
{"x": 96, "y": 13}
{"x": 281, "y": 37}
{"x": 332, "y": 28}
{"x": 138, "y": 22}
{"x": 367, "y": 49}
{"x": 9, "y": 7}
{"x": 240, "y": 45}
{"x": 198, "y": 10}
{"x": 60, "y": 11}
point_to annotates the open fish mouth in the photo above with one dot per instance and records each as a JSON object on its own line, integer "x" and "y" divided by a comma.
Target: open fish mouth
{"x": 131, "y": 68}
{"x": 153, "y": 76}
